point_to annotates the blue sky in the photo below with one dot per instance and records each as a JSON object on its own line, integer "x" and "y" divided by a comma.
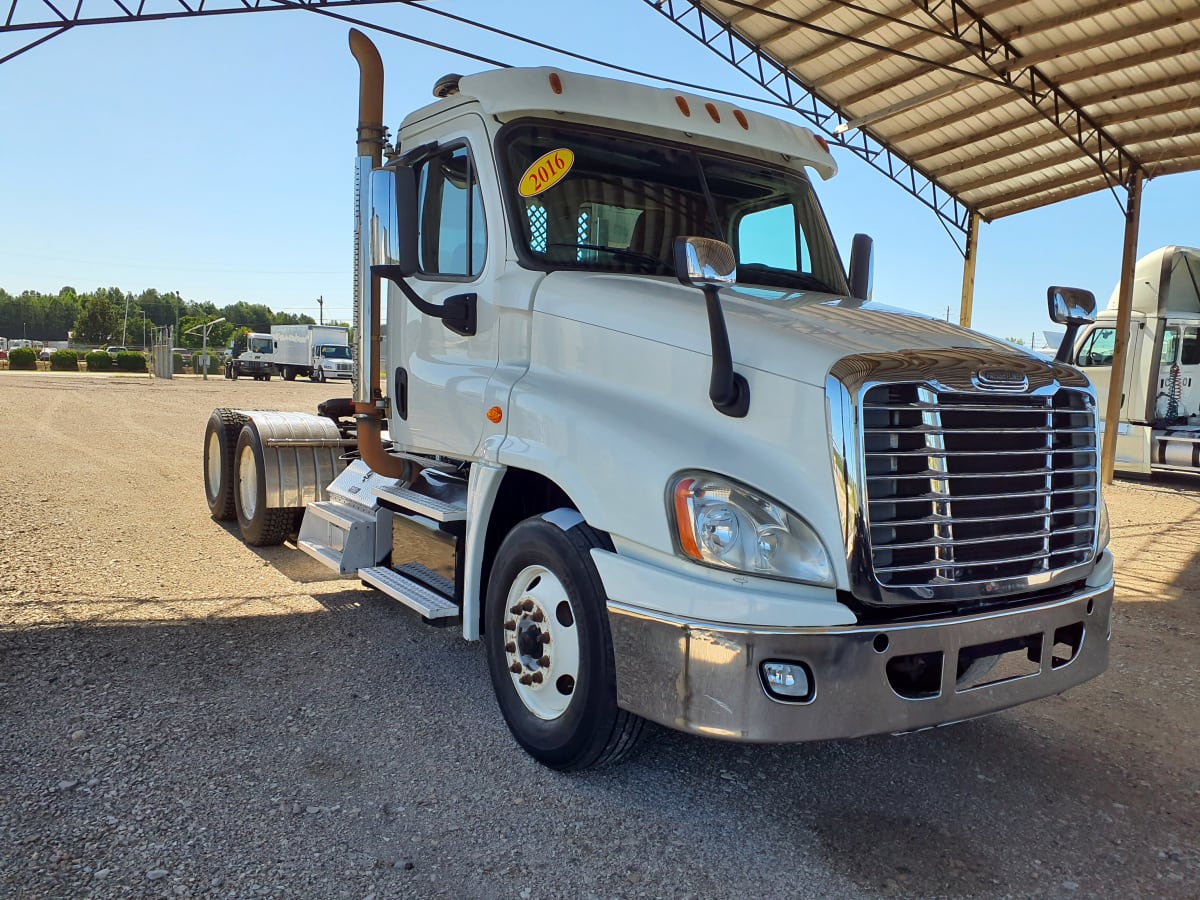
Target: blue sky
{"x": 215, "y": 157}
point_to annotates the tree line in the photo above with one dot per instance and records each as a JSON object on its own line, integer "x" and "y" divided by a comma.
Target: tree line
{"x": 99, "y": 317}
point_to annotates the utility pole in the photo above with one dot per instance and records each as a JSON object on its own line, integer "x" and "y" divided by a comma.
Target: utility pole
{"x": 321, "y": 304}
{"x": 126, "y": 325}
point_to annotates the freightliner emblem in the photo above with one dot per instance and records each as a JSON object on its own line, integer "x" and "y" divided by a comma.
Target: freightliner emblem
{"x": 1001, "y": 380}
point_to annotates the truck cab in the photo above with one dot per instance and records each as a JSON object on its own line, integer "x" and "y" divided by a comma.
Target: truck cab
{"x": 1159, "y": 427}
{"x": 254, "y": 360}
{"x": 642, "y": 432}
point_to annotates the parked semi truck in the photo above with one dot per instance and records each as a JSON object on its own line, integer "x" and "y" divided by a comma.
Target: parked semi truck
{"x": 319, "y": 352}
{"x": 1160, "y": 409}
{"x": 255, "y": 360}
{"x": 642, "y": 434}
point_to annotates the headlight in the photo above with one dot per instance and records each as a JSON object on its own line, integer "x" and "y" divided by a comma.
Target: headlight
{"x": 1103, "y": 530}
{"x": 722, "y": 523}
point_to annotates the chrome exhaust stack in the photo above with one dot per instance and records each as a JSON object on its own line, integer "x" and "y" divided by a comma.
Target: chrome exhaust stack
{"x": 371, "y": 139}
{"x": 368, "y": 399}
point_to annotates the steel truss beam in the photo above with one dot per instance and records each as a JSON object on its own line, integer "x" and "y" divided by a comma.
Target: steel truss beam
{"x": 993, "y": 49}
{"x": 49, "y": 15}
{"x": 818, "y": 111}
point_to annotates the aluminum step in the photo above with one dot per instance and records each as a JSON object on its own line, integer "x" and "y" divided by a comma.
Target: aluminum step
{"x": 344, "y": 537}
{"x": 327, "y": 556}
{"x": 429, "y": 507}
{"x": 412, "y": 594}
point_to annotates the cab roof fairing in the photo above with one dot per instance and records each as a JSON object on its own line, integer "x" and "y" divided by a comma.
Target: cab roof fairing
{"x": 509, "y": 94}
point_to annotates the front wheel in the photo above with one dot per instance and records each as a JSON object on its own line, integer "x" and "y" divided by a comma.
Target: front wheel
{"x": 319, "y": 375}
{"x": 550, "y": 650}
{"x": 261, "y": 526}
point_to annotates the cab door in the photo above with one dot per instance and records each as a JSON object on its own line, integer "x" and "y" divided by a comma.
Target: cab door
{"x": 1094, "y": 356}
{"x": 438, "y": 378}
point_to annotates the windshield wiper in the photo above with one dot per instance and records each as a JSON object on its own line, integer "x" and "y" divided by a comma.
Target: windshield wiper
{"x": 646, "y": 259}
{"x": 757, "y": 273}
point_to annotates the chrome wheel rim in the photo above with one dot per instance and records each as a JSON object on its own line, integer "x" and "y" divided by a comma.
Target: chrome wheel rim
{"x": 214, "y": 465}
{"x": 247, "y": 482}
{"x": 541, "y": 642}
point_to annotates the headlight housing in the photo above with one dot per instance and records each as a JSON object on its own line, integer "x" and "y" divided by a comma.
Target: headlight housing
{"x": 721, "y": 523}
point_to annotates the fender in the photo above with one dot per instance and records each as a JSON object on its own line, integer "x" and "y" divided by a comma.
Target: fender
{"x": 301, "y": 455}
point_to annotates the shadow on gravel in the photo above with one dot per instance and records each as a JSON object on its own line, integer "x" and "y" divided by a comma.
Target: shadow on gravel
{"x": 362, "y": 753}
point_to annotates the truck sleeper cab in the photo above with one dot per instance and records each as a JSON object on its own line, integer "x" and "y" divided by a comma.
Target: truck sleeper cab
{"x": 895, "y": 523}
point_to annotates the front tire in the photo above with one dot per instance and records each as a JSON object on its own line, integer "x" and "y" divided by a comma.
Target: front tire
{"x": 550, "y": 649}
{"x": 319, "y": 376}
{"x": 220, "y": 442}
{"x": 260, "y": 526}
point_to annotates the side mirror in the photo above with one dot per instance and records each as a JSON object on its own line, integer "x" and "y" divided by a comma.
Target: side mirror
{"x": 862, "y": 267}
{"x": 703, "y": 261}
{"x": 393, "y": 222}
{"x": 1073, "y": 307}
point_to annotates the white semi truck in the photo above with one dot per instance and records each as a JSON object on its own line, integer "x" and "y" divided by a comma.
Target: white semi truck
{"x": 319, "y": 352}
{"x": 641, "y": 433}
{"x": 1160, "y": 411}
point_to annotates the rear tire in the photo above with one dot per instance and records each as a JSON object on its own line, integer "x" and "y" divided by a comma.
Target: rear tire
{"x": 550, "y": 649}
{"x": 288, "y": 373}
{"x": 260, "y": 526}
{"x": 220, "y": 442}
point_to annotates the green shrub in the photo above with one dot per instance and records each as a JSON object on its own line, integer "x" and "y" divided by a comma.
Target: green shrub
{"x": 177, "y": 363}
{"x": 128, "y": 361}
{"x": 22, "y": 358}
{"x": 98, "y": 361}
{"x": 64, "y": 361}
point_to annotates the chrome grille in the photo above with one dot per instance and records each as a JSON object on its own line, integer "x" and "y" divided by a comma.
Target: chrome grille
{"x": 975, "y": 488}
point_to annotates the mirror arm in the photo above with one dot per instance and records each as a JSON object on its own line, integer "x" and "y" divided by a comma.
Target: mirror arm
{"x": 728, "y": 391}
{"x": 1067, "y": 346}
{"x": 459, "y": 313}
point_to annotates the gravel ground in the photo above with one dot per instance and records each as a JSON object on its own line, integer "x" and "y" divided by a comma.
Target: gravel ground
{"x": 185, "y": 716}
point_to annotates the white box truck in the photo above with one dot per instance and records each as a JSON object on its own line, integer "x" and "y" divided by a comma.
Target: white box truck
{"x": 1159, "y": 427}
{"x": 319, "y": 352}
{"x": 642, "y": 434}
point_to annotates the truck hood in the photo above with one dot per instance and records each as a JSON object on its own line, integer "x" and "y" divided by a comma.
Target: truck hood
{"x": 798, "y": 335}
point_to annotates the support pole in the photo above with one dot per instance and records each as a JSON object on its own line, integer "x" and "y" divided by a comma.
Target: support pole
{"x": 1116, "y": 383}
{"x": 968, "y": 288}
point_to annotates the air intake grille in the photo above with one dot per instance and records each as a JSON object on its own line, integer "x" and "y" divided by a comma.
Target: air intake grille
{"x": 966, "y": 488}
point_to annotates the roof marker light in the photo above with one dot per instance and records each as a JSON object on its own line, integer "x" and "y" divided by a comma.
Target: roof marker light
{"x": 683, "y": 105}
{"x": 822, "y": 143}
{"x": 741, "y": 119}
{"x": 555, "y": 83}
{"x": 712, "y": 112}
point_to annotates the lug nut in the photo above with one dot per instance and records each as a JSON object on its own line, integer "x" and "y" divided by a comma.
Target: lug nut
{"x": 544, "y": 662}
{"x": 536, "y": 677}
{"x": 525, "y": 680}
{"x": 544, "y": 637}
{"x": 515, "y": 668}
{"x": 510, "y": 625}
{"x": 516, "y": 610}
{"x": 538, "y": 616}
{"x": 527, "y": 605}
{"x": 510, "y": 647}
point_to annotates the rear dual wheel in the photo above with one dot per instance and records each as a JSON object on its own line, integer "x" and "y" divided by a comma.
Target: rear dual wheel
{"x": 261, "y": 526}
{"x": 220, "y": 441}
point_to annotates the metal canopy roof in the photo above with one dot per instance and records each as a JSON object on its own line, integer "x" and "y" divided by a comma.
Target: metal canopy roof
{"x": 992, "y": 108}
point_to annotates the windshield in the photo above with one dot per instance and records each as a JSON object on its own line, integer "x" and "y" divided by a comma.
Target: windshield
{"x": 259, "y": 344}
{"x": 595, "y": 200}
{"x": 330, "y": 352}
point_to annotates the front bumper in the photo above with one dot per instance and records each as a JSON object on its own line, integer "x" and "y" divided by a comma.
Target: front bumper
{"x": 706, "y": 678}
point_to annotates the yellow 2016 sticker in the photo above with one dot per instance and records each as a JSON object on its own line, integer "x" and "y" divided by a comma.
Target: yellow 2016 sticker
{"x": 546, "y": 171}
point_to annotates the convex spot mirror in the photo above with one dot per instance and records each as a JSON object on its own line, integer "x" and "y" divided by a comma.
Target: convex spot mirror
{"x": 393, "y": 222}
{"x": 1071, "y": 306}
{"x": 700, "y": 261}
